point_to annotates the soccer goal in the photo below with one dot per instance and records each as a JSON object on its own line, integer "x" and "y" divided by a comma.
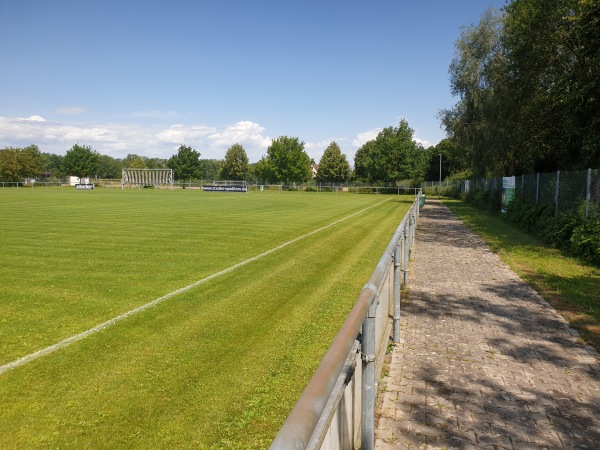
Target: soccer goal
{"x": 154, "y": 178}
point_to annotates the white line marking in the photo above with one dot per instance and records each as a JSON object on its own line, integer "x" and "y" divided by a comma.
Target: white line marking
{"x": 78, "y": 337}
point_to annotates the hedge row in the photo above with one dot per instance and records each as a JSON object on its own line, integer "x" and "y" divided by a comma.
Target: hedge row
{"x": 568, "y": 231}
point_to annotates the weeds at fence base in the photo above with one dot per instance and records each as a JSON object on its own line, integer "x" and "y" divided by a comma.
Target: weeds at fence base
{"x": 567, "y": 231}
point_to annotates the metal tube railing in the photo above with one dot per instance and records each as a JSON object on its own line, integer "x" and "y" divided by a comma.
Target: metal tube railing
{"x": 320, "y": 402}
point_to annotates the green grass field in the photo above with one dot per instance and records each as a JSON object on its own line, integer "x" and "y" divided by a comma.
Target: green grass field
{"x": 218, "y": 366}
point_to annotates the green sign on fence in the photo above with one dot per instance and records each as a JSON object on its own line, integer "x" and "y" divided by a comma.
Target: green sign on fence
{"x": 508, "y": 191}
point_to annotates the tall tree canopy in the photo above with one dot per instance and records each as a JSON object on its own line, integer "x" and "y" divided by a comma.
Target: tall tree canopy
{"x": 393, "y": 156}
{"x": 109, "y": 167}
{"x": 16, "y": 164}
{"x": 527, "y": 81}
{"x": 452, "y": 161}
{"x": 286, "y": 161}
{"x": 211, "y": 169}
{"x": 138, "y": 163}
{"x": 186, "y": 164}
{"x": 81, "y": 161}
{"x": 235, "y": 166}
{"x": 333, "y": 166}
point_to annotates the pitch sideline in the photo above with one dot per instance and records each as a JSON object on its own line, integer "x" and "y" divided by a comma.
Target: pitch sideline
{"x": 80, "y": 336}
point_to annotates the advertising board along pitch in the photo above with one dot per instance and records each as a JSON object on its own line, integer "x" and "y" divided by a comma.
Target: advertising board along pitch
{"x": 85, "y": 186}
{"x": 230, "y": 188}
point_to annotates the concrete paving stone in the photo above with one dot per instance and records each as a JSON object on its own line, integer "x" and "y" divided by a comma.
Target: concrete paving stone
{"x": 519, "y": 445}
{"x": 513, "y": 433}
{"x": 381, "y": 444}
{"x": 496, "y": 442}
{"x": 585, "y": 440}
{"x": 484, "y": 361}
{"x": 507, "y": 413}
{"x": 550, "y": 439}
{"x": 390, "y": 427}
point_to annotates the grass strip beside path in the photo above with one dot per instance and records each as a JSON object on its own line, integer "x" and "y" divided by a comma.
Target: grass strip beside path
{"x": 570, "y": 285}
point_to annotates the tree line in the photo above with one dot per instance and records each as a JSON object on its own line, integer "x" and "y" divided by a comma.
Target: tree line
{"x": 527, "y": 81}
{"x": 392, "y": 156}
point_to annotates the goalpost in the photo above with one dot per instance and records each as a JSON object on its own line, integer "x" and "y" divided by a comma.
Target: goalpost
{"x": 147, "y": 178}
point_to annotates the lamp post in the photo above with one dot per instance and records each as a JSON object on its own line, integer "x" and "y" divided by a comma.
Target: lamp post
{"x": 440, "y": 170}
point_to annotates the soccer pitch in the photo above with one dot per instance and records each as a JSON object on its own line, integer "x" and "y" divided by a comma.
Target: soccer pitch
{"x": 245, "y": 292}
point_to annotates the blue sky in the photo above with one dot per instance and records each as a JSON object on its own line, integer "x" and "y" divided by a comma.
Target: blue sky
{"x": 144, "y": 77}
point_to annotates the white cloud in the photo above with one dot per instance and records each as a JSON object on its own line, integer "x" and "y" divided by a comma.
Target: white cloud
{"x": 119, "y": 139}
{"x": 362, "y": 138}
{"x": 246, "y": 133}
{"x": 159, "y": 141}
{"x": 318, "y": 146}
{"x": 425, "y": 143}
{"x": 71, "y": 110}
{"x": 183, "y": 134}
{"x": 33, "y": 119}
{"x": 316, "y": 149}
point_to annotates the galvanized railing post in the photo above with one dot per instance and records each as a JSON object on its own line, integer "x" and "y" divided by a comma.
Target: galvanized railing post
{"x": 397, "y": 281}
{"x": 405, "y": 239}
{"x": 412, "y": 234}
{"x": 587, "y": 193}
{"x": 367, "y": 434}
{"x": 556, "y": 195}
{"x": 313, "y": 415}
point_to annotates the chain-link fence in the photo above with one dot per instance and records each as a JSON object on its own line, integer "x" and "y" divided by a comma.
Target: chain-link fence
{"x": 577, "y": 191}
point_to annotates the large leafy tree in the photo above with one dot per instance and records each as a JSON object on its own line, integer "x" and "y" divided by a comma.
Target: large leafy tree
{"x": 265, "y": 170}
{"x": 55, "y": 164}
{"x": 186, "y": 164}
{"x": 452, "y": 159}
{"x": 109, "y": 167}
{"x": 128, "y": 160}
{"x": 333, "y": 166}
{"x": 286, "y": 161}
{"x": 235, "y": 166}
{"x": 211, "y": 168}
{"x": 393, "y": 156}
{"x": 527, "y": 82}
{"x": 155, "y": 163}
{"x": 552, "y": 46}
{"x": 138, "y": 163}
{"x": 18, "y": 163}
{"x": 81, "y": 161}
{"x": 478, "y": 51}
{"x": 363, "y": 162}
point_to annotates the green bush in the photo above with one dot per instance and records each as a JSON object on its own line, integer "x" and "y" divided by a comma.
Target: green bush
{"x": 585, "y": 240}
{"x": 568, "y": 231}
{"x": 526, "y": 215}
{"x": 484, "y": 199}
{"x": 557, "y": 230}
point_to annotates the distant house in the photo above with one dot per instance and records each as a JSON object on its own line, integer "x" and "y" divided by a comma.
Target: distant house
{"x": 315, "y": 169}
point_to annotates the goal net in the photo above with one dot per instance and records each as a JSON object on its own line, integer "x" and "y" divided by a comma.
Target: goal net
{"x": 147, "y": 178}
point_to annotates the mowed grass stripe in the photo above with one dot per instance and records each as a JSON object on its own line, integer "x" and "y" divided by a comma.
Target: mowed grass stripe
{"x": 78, "y": 337}
{"x": 218, "y": 366}
{"x": 71, "y": 260}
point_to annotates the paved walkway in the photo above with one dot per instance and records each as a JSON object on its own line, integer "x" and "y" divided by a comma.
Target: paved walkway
{"x": 484, "y": 362}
